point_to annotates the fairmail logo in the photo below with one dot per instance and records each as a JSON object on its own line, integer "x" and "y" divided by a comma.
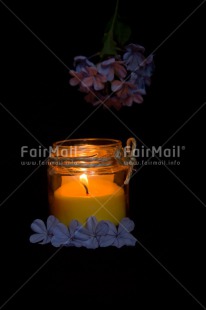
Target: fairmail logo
{"x": 174, "y": 152}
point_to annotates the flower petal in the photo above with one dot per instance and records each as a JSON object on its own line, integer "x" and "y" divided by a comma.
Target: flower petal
{"x": 61, "y": 235}
{"x": 91, "y": 243}
{"x": 73, "y": 226}
{"x": 81, "y": 62}
{"x": 35, "y": 238}
{"x": 52, "y": 221}
{"x": 118, "y": 242}
{"x": 108, "y": 62}
{"x": 98, "y": 85}
{"x": 126, "y": 225}
{"x": 74, "y": 81}
{"x": 102, "y": 228}
{"x": 137, "y": 98}
{"x": 38, "y": 226}
{"x": 46, "y": 240}
{"x": 91, "y": 224}
{"x": 107, "y": 240}
{"x": 135, "y": 48}
{"x": 120, "y": 70}
{"x": 88, "y": 81}
{"x": 128, "y": 239}
{"x": 91, "y": 71}
{"x": 116, "y": 85}
{"x": 77, "y": 232}
{"x": 128, "y": 101}
{"x": 112, "y": 229}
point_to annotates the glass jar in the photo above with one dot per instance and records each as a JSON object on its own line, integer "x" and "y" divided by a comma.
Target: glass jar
{"x": 87, "y": 178}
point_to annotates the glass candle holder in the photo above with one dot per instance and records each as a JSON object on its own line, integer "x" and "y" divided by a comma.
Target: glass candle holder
{"x": 87, "y": 178}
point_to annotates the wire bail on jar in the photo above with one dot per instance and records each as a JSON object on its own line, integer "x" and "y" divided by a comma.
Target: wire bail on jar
{"x": 129, "y": 159}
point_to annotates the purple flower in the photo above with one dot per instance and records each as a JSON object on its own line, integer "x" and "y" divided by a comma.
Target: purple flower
{"x": 93, "y": 235}
{"x": 134, "y": 56}
{"x": 64, "y": 236}
{"x": 144, "y": 73}
{"x": 108, "y": 101}
{"x": 61, "y": 236}
{"x": 87, "y": 79}
{"x": 93, "y": 231}
{"x": 119, "y": 236}
{"x": 94, "y": 79}
{"x": 149, "y": 66}
{"x": 141, "y": 77}
{"x": 111, "y": 67}
{"x": 77, "y": 77}
{"x": 114, "y": 102}
{"x": 91, "y": 98}
{"x": 133, "y": 97}
{"x": 127, "y": 92}
{"x": 123, "y": 89}
{"x": 43, "y": 233}
{"x": 81, "y": 62}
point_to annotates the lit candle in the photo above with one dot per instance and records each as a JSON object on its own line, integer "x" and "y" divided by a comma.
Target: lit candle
{"x": 81, "y": 198}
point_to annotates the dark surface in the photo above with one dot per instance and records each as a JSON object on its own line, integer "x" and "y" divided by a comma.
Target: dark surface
{"x": 170, "y": 221}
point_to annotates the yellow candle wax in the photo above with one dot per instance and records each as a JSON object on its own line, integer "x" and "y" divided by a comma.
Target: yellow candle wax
{"x": 71, "y": 201}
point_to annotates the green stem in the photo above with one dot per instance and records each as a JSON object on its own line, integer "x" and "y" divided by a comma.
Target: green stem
{"x": 114, "y": 18}
{"x": 109, "y": 47}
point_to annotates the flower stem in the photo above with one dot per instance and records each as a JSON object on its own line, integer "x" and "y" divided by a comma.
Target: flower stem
{"x": 114, "y": 18}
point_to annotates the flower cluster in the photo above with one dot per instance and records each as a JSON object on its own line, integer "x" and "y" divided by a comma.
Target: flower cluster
{"x": 95, "y": 234}
{"x": 117, "y": 81}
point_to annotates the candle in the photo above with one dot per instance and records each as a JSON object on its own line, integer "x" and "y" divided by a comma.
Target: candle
{"x": 80, "y": 198}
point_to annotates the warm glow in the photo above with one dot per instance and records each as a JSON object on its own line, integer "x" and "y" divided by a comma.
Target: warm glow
{"x": 84, "y": 181}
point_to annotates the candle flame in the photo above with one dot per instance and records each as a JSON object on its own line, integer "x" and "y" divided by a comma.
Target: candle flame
{"x": 84, "y": 180}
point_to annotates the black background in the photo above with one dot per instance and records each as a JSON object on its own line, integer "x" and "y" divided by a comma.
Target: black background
{"x": 170, "y": 221}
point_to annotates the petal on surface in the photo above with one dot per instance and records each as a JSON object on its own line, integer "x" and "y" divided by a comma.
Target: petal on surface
{"x": 112, "y": 229}
{"x": 128, "y": 239}
{"x": 73, "y": 226}
{"x": 83, "y": 234}
{"x": 102, "y": 228}
{"x": 118, "y": 242}
{"x": 38, "y": 226}
{"x": 46, "y": 240}
{"x": 77, "y": 232}
{"x": 35, "y": 238}
{"x": 52, "y": 221}
{"x": 91, "y": 243}
{"x": 91, "y": 224}
{"x": 61, "y": 230}
{"x": 107, "y": 240}
{"x": 61, "y": 235}
{"x": 126, "y": 225}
